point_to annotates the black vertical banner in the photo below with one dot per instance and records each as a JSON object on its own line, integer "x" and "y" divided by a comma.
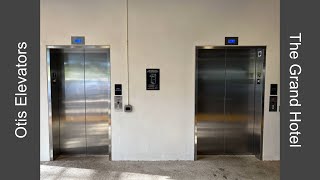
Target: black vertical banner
{"x": 19, "y": 78}
{"x": 300, "y": 89}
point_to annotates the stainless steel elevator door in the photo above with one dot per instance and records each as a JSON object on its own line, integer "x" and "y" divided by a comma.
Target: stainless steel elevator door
{"x": 210, "y": 101}
{"x": 72, "y": 102}
{"x": 80, "y": 86}
{"x": 239, "y": 101}
{"x": 97, "y": 93}
{"x": 229, "y": 103}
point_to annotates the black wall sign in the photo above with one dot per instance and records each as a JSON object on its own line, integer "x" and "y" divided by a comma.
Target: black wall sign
{"x": 153, "y": 79}
{"x": 118, "y": 89}
{"x": 274, "y": 89}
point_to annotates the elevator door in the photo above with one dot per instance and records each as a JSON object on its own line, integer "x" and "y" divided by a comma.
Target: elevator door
{"x": 80, "y": 95}
{"x": 97, "y": 95}
{"x": 229, "y": 100}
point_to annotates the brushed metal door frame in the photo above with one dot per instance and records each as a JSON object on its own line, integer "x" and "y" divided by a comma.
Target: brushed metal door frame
{"x": 48, "y": 48}
{"x": 262, "y": 89}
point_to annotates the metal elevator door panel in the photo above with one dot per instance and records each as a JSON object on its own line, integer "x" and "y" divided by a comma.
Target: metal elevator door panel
{"x": 239, "y": 101}
{"x": 229, "y": 100}
{"x": 210, "y": 100}
{"x": 80, "y": 96}
{"x": 97, "y": 93}
{"x": 72, "y": 102}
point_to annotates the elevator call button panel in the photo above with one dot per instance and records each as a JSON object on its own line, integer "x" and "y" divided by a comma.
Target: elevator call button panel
{"x": 273, "y": 104}
{"x": 118, "y": 103}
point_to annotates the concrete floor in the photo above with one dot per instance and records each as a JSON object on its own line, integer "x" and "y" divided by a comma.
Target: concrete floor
{"x": 209, "y": 167}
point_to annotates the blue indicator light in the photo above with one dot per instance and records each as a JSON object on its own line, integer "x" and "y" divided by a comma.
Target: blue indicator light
{"x": 78, "y": 41}
{"x": 231, "y": 41}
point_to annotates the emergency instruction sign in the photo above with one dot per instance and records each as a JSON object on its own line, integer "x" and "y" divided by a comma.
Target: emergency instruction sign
{"x": 153, "y": 79}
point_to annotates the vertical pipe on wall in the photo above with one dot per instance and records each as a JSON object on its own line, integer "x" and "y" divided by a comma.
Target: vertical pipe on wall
{"x": 127, "y": 47}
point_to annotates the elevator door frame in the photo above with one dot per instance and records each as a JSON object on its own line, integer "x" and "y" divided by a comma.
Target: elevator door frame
{"x": 259, "y": 156}
{"x": 48, "y": 48}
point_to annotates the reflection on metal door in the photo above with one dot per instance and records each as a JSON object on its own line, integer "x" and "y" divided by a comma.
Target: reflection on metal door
{"x": 98, "y": 95}
{"x": 239, "y": 100}
{"x": 210, "y": 101}
{"x": 72, "y": 102}
{"x": 229, "y": 102}
{"x": 80, "y": 96}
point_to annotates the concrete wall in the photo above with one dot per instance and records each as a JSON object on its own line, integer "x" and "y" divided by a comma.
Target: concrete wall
{"x": 162, "y": 34}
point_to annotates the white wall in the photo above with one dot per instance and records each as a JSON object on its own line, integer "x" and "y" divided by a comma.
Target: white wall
{"x": 162, "y": 34}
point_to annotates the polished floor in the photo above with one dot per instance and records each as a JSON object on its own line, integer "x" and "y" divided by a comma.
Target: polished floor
{"x": 209, "y": 167}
